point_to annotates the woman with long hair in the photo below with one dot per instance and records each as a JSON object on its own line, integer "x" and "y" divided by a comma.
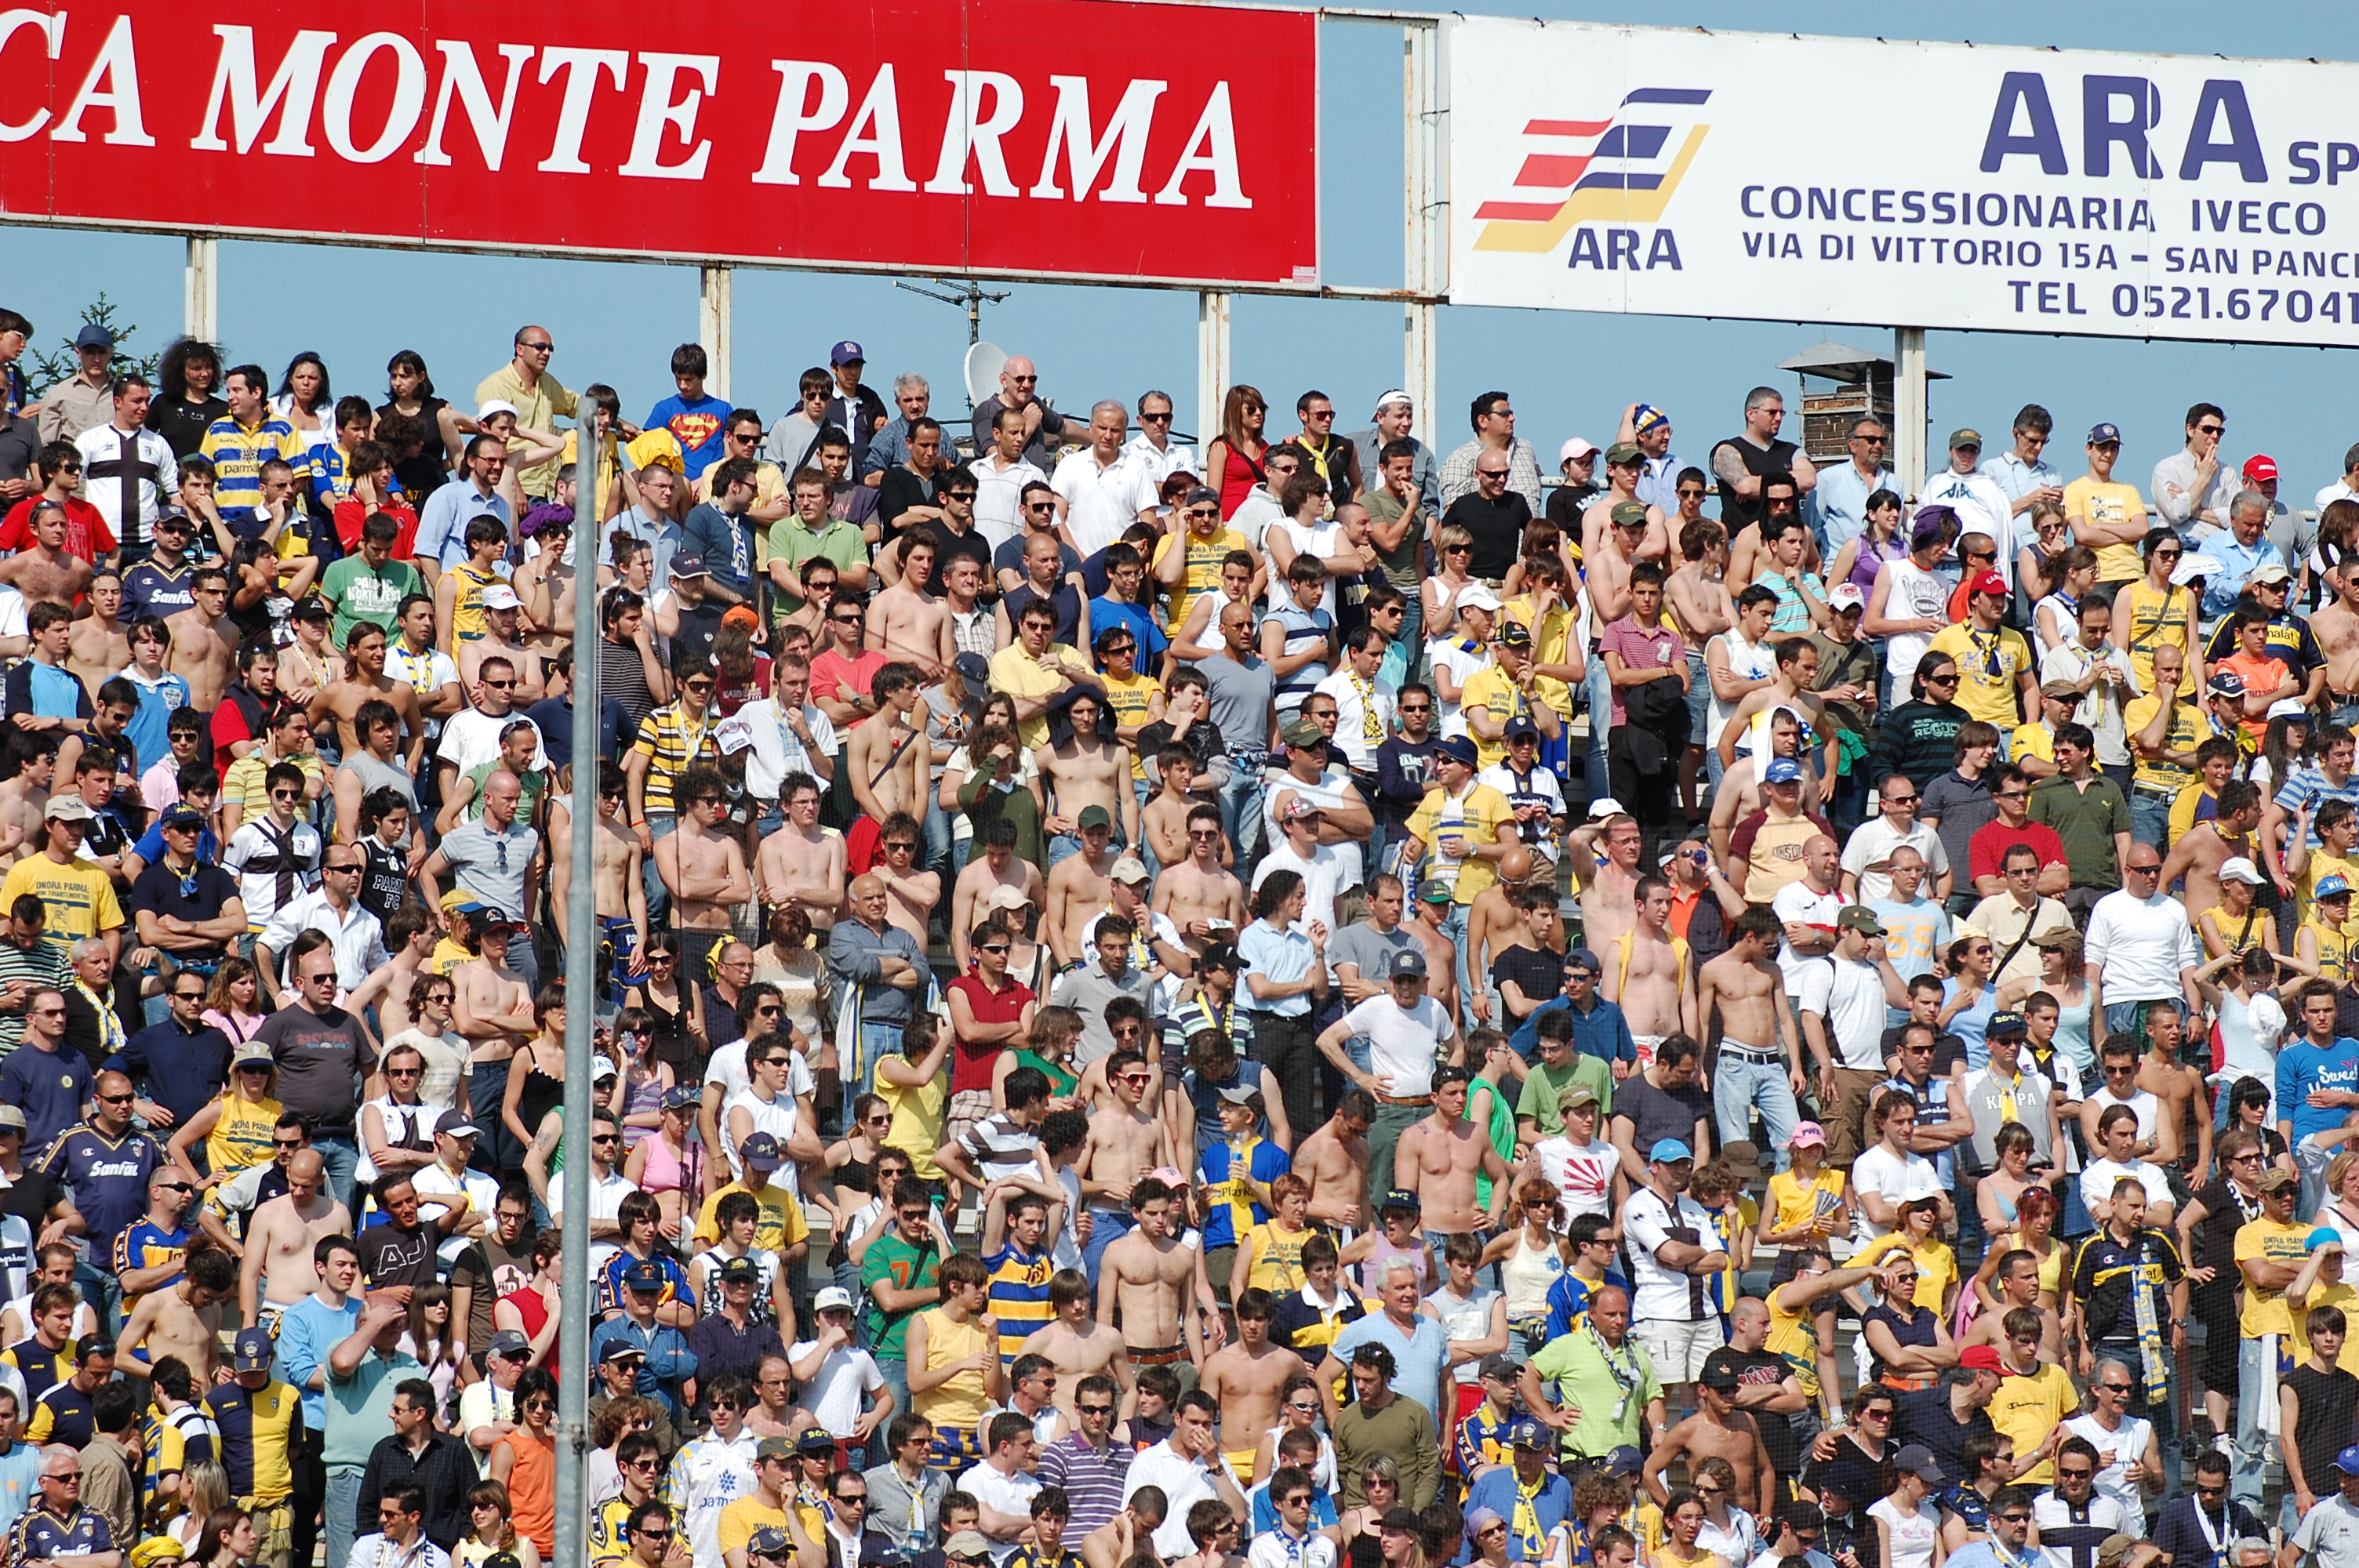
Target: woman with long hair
{"x": 489, "y": 1529}
{"x": 1380, "y": 1483}
{"x": 674, "y": 1006}
{"x": 2000, "y": 1192}
{"x": 2155, "y": 612}
{"x": 2290, "y": 741}
{"x": 537, "y": 1070}
{"x": 525, "y": 1460}
{"x": 409, "y": 392}
{"x": 1683, "y": 1517}
{"x": 1864, "y": 554}
{"x": 790, "y": 962}
{"x": 229, "y": 1539}
{"x": 229, "y": 999}
{"x": 1729, "y": 1532}
{"x": 188, "y": 394}
{"x": 2249, "y": 1108}
{"x": 2046, "y": 534}
{"x": 645, "y": 1081}
{"x": 2066, "y": 576}
{"x": 1047, "y": 1048}
{"x": 204, "y": 1488}
{"x": 1531, "y": 1254}
{"x": 1298, "y": 1410}
{"x": 1233, "y": 459}
{"x": 1453, "y": 560}
{"x": 238, "y": 1125}
{"x": 434, "y": 1340}
{"x": 1908, "y": 1525}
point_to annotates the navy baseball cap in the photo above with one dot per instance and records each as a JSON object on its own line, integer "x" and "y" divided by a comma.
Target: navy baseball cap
{"x": 645, "y": 1275}
{"x": 254, "y": 1349}
{"x": 2105, "y": 434}
{"x": 846, "y": 352}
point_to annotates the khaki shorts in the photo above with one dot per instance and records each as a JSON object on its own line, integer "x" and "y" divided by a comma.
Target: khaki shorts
{"x": 1678, "y": 1348}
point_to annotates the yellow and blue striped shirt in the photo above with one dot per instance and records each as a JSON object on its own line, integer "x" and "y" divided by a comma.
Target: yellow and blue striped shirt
{"x": 238, "y": 452}
{"x": 1019, "y": 1295}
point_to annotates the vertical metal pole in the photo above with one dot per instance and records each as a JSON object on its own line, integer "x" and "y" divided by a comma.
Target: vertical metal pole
{"x": 714, "y": 326}
{"x": 1423, "y": 216}
{"x": 581, "y": 984}
{"x": 1212, "y": 377}
{"x": 1910, "y": 413}
{"x": 202, "y": 298}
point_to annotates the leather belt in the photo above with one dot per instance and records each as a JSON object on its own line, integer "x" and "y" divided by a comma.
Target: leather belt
{"x": 1746, "y": 1054}
{"x": 1412, "y": 1099}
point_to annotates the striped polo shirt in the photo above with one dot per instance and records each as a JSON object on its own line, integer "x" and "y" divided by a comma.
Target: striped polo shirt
{"x": 673, "y": 743}
{"x": 237, "y": 454}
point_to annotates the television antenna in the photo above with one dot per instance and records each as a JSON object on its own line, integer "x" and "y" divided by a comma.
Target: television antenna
{"x": 969, "y": 294}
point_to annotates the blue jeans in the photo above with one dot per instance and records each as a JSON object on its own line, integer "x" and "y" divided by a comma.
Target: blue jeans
{"x": 1599, "y": 688}
{"x": 1412, "y": 635}
{"x": 1738, "y": 1087}
{"x": 659, "y": 896}
{"x": 876, "y": 1040}
{"x": 937, "y": 828}
{"x": 1107, "y": 1226}
{"x": 1239, "y": 811}
{"x": 1454, "y": 928}
{"x": 897, "y": 1377}
{"x": 2149, "y": 819}
{"x": 103, "y": 1290}
{"x": 344, "y": 1508}
{"x": 342, "y": 1158}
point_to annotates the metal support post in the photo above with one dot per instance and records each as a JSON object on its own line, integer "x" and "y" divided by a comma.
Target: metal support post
{"x": 202, "y": 300}
{"x": 580, "y": 952}
{"x": 714, "y": 327}
{"x": 1212, "y": 375}
{"x": 1909, "y": 413}
{"x": 1424, "y": 245}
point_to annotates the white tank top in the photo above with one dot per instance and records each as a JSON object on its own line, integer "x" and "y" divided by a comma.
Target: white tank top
{"x": 1528, "y": 1272}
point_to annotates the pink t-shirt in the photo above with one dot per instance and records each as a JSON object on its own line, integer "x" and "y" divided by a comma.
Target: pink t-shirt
{"x": 1642, "y": 648}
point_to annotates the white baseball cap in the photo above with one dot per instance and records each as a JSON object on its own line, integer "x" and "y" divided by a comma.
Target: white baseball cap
{"x": 498, "y": 405}
{"x": 2240, "y": 869}
{"x": 1846, "y": 596}
{"x": 1477, "y": 597}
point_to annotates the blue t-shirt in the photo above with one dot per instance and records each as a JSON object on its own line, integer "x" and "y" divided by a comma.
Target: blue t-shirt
{"x": 697, "y": 426}
{"x": 49, "y": 1088}
{"x": 1105, "y": 612}
{"x": 149, "y": 589}
{"x": 19, "y": 1469}
{"x": 1420, "y": 1360}
{"x": 1265, "y": 1512}
{"x": 149, "y": 730}
{"x": 40, "y": 1535}
{"x": 107, "y": 1181}
{"x": 57, "y": 692}
{"x": 2303, "y": 1067}
{"x": 307, "y": 1332}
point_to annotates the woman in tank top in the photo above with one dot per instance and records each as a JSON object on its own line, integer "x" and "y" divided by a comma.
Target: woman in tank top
{"x": 1399, "y": 1237}
{"x": 646, "y": 1081}
{"x": 1968, "y": 997}
{"x": 228, "y": 1000}
{"x": 1471, "y": 1316}
{"x": 237, "y": 1126}
{"x": 2036, "y": 1208}
{"x": 2074, "y": 1056}
{"x": 525, "y": 1460}
{"x": 1864, "y": 554}
{"x": 2068, "y": 577}
{"x": 1531, "y": 1257}
{"x": 669, "y": 1162}
{"x": 533, "y": 1092}
{"x": 672, "y": 1009}
{"x": 1897, "y": 1324}
{"x": 1232, "y": 458}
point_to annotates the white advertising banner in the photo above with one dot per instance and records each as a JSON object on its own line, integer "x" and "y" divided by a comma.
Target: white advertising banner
{"x": 1686, "y": 173}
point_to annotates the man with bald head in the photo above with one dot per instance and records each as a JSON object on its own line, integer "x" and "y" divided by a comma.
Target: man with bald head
{"x": 525, "y": 384}
{"x": 1496, "y": 921}
{"x": 494, "y": 862}
{"x": 281, "y": 1238}
{"x": 1044, "y": 427}
{"x": 102, "y": 1164}
{"x": 1098, "y": 493}
{"x": 888, "y": 967}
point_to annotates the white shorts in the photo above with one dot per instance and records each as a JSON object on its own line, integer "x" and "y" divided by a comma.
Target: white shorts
{"x": 1646, "y": 1044}
{"x": 1678, "y": 1348}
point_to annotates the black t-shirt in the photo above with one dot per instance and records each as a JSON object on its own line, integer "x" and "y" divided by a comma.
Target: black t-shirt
{"x": 949, "y": 546}
{"x": 1758, "y": 1367}
{"x": 699, "y": 625}
{"x": 896, "y": 492}
{"x": 183, "y": 424}
{"x": 2327, "y": 1401}
{"x": 392, "y": 1256}
{"x": 1497, "y": 527}
{"x": 1657, "y": 1114}
{"x": 1537, "y": 971}
{"x": 1565, "y": 505}
{"x": 1924, "y": 1416}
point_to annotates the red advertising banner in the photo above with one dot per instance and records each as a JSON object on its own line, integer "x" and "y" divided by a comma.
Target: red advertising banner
{"x": 1085, "y": 138}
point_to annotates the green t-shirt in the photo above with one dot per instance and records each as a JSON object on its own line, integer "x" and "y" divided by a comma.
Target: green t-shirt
{"x": 1499, "y": 1123}
{"x": 790, "y": 542}
{"x": 533, "y": 784}
{"x": 906, "y": 1268}
{"x": 1543, "y": 1089}
{"x": 362, "y": 592}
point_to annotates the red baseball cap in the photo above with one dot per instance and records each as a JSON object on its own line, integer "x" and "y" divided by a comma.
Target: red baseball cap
{"x": 1981, "y": 1359}
{"x": 1990, "y": 582}
{"x": 2260, "y": 470}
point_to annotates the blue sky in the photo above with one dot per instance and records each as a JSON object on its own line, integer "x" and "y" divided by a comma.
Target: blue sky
{"x": 1569, "y": 372}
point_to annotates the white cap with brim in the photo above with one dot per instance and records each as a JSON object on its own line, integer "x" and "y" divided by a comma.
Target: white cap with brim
{"x": 1477, "y": 597}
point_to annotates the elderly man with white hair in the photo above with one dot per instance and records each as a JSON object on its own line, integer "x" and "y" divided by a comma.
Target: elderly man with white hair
{"x": 912, "y": 396}
{"x": 1420, "y": 1347}
{"x": 56, "y": 1526}
{"x": 1099, "y": 494}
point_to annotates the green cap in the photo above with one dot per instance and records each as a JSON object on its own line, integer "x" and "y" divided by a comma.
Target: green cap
{"x": 1629, "y": 514}
{"x": 1965, "y": 439}
{"x": 1624, "y": 453}
{"x": 1302, "y": 732}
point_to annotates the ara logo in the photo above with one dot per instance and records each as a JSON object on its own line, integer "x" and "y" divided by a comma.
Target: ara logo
{"x": 1620, "y": 170}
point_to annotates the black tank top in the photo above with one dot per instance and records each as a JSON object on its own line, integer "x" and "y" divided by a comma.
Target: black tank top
{"x": 540, "y": 1095}
{"x": 385, "y": 879}
{"x": 1736, "y": 511}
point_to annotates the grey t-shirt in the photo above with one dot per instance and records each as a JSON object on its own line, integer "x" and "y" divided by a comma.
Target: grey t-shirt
{"x": 1242, "y": 697}
{"x": 1657, "y": 1114}
{"x": 1370, "y": 949}
{"x": 1087, "y": 990}
{"x": 492, "y": 865}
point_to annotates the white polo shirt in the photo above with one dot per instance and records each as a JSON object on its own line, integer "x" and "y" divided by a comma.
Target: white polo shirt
{"x": 1100, "y": 502}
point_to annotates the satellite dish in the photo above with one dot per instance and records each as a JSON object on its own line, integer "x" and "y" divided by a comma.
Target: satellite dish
{"x": 982, "y": 365}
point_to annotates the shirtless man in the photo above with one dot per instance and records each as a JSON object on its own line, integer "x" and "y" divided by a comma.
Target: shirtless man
{"x": 1439, "y": 1158}
{"x": 888, "y": 760}
{"x": 803, "y": 863}
{"x": 1718, "y": 1429}
{"x": 1789, "y": 690}
{"x": 1625, "y": 464}
{"x": 2182, "y": 1126}
{"x": 364, "y": 680}
{"x": 904, "y": 621}
{"x": 911, "y": 894}
{"x": 621, "y": 892}
{"x": 996, "y": 867}
{"x": 1654, "y": 988}
{"x": 100, "y": 645}
{"x": 1088, "y": 770}
{"x": 204, "y": 641}
{"x": 1608, "y": 892}
{"x": 184, "y": 1320}
{"x": 1607, "y": 567}
{"x": 1749, "y": 990}
{"x": 545, "y": 586}
{"x": 2015, "y": 1282}
{"x": 1076, "y": 1343}
{"x": 1080, "y": 887}
{"x": 393, "y": 988}
{"x": 2336, "y": 627}
{"x": 491, "y": 1009}
{"x": 1334, "y": 1161}
{"x": 1150, "y": 1278}
{"x": 280, "y": 1238}
{"x": 1698, "y": 598}
{"x": 47, "y": 570}
{"x": 1126, "y": 1141}
{"x": 1739, "y": 794}
{"x": 702, "y": 866}
{"x": 2208, "y": 846}
{"x": 1426, "y": 923}
{"x": 1200, "y": 896}
{"x": 25, "y": 799}
{"x": 503, "y": 638}
{"x": 1247, "y": 1378}
{"x": 1497, "y": 918}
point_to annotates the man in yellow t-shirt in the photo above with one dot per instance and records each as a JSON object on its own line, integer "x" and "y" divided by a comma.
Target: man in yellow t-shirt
{"x": 1459, "y": 820}
{"x": 2165, "y": 773}
{"x": 1499, "y": 694}
{"x": 2270, "y": 1251}
{"x": 764, "y": 1508}
{"x": 1995, "y": 662}
{"x": 2035, "y": 741}
{"x": 2337, "y": 855}
{"x": 1034, "y": 671}
{"x": 1186, "y": 564}
{"x": 79, "y": 896}
{"x": 2109, "y": 518}
{"x": 1137, "y": 699}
